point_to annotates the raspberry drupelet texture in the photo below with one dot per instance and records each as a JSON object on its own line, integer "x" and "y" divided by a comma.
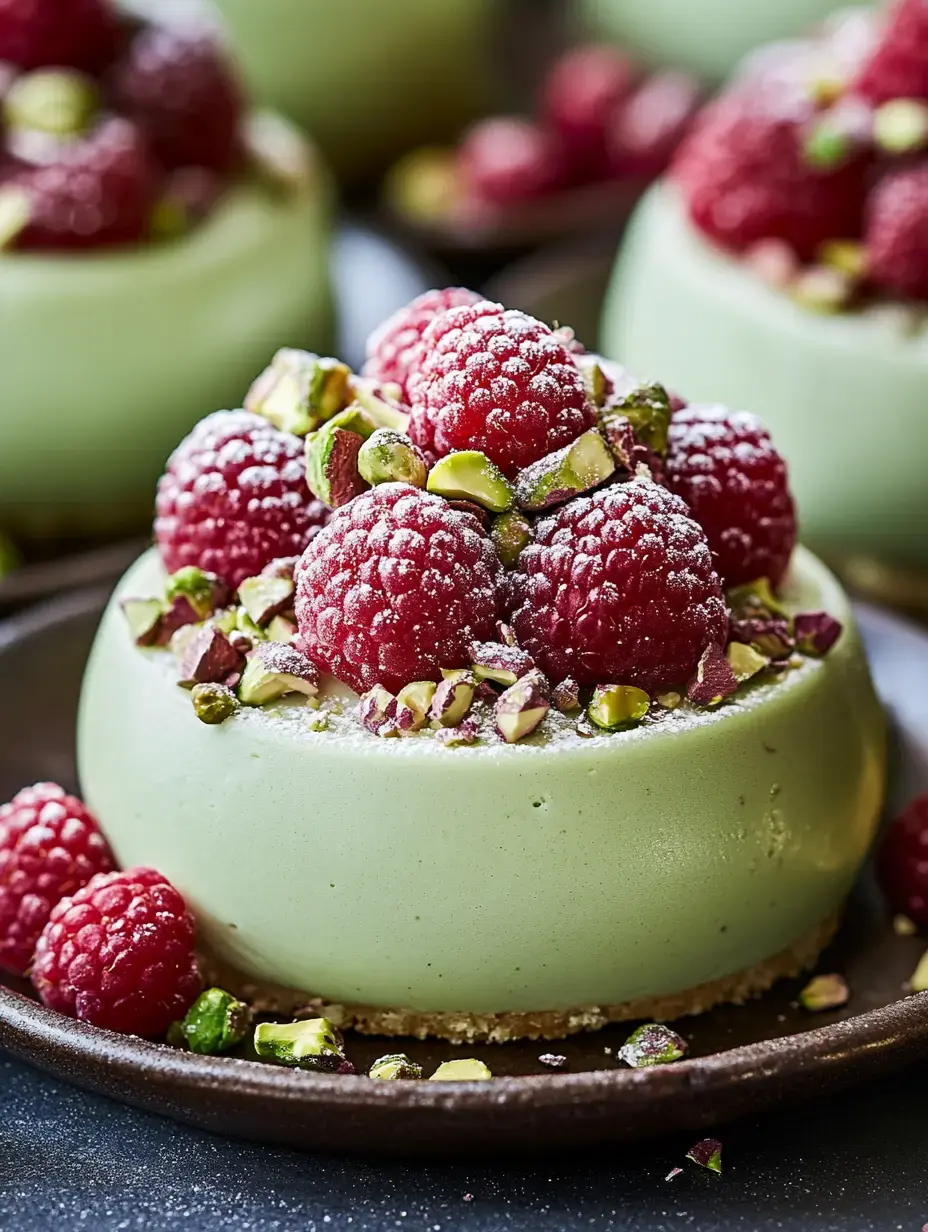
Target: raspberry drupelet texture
{"x": 393, "y": 349}
{"x": 898, "y": 68}
{"x": 723, "y": 465}
{"x": 99, "y": 191}
{"x": 619, "y": 587}
{"x": 181, "y": 91}
{"x": 499, "y": 381}
{"x": 38, "y": 34}
{"x": 395, "y": 588}
{"x": 896, "y": 238}
{"x": 903, "y": 862}
{"x": 50, "y": 846}
{"x": 234, "y": 498}
{"x": 745, "y": 178}
{"x": 120, "y": 954}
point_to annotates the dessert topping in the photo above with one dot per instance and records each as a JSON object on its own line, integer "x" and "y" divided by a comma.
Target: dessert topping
{"x": 332, "y": 451}
{"x": 312, "y": 1044}
{"x": 523, "y": 706}
{"x": 273, "y": 670}
{"x": 565, "y": 696}
{"x": 769, "y": 636}
{"x": 647, "y": 409}
{"x": 264, "y": 597}
{"x": 816, "y": 632}
{"x": 499, "y": 663}
{"x": 214, "y": 1024}
{"x": 584, "y": 464}
{"x": 744, "y": 661}
{"x": 652, "y": 1044}
{"x": 389, "y": 456}
{"x": 396, "y": 1066}
{"x": 453, "y": 699}
{"x": 553, "y": 1060}
{"x": 511, "y": 533}
{"x": 900, "y": 126}
{"x": 213, "y": 703}
{"x": 466, "y": 732}
{"x": 393, "y": 350}
{"x": 470, "y": 475}
{"x": 298, "y": 391}
{"x": 143, "y": 616}
{"x": 384, "y": 715}
{"x": 464, "y": 1070}
{"x": 203, "y": 591}
{"x": 902, "y": 862}
{"x": 417, "y": 697}
{"x": 707, "y": 1153}
{"x": 615, "y": 707}
{"x": 824, "y": 992}
{"x": 209, "y": 658}
{"x": 59, "y": 103}
{"x": 714, "y": 679}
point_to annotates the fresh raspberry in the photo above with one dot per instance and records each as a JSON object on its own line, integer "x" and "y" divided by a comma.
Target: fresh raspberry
{"x": 619, "y": 587}
{"x": 746, "y": 178}
{"x": 896, "y": 238}
{"x": 898, "y": 68}
{"x": 50, "y": 846}
{"x": 723, "y": 465}
{"x": 120, "y": 954}
{"x": 39, "y": 34}
{"x": 580, "y": 97}
{"x": 650, "y": 125}
{"x": 393, "y": 350}
{"x": 902, "y": 863}
{"x": 99, "y": 192}
{"x": 498, "y": 381}
{"x": 180, "y": 89}
{"x": 234, "y": 498}
{"x": 395, "y": 588}
{"x": 506, "y": 160}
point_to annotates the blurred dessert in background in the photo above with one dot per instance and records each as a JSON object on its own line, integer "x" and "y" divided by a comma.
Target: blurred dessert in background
{"x": 707, "y": 38}
{"x": 368, "y": 79}
{"x": 603, "y": 128}
{"x": 783, "y": 267}
{"x": 156, "y": 239}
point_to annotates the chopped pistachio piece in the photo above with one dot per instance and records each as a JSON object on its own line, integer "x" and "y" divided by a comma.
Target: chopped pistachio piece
{"x": 299, "y": 391}
{"x": 281, "y": 629}
{"x": 313, "y": 1044}
{"x": 274, "y": 670}
{"x": 214, "y": 1023}
{"x": 816, "y": 632}
{"x": 826, "y": 144}
{"x": 143, "y": 616}
{"x": 499, "y": 663}
{"x": 453, "y": 699}
{"x": 332, "y": 472}
{"x": 511, "y": 533}
{"x": 745, "y": 661}
{"x": 466, "y": 732}
{"x": 615, "y": 706}
{"x": 213, "y": 703}
{"x": 903, "y": 926}
{"x": 707, "y": 1153}
{"x": 769, "y": 636}
{"x": 506, "y": 634}
{"x": 522, "y": 708}
{"x": 821, "y": 288}
{"x": 203, "y": 591}
{"x": 263, "y": 598}
{"x": 209, "y": 658}
{"x": 384, "y": 715}
{"x": 470, "y": 475}
{"x": 15, "y": 214}
{"x": 595, "y": 381}
{"x": 647, "y": 408}
{"x": 389, "y": 456}
{"x": 424, "y": 185}
{"x": 652, "y": 1044}
{"x": 396, "y": 1066}
{"x": 824, "y": 992}
{"x": 900, "y": 126}
{"x": 566, "y": 473}
{"x": 755, "y": 599}
{"x": 918, "y": 981}
{"x": 278, "y": 154}
{"x": 565, "y": 697}
{"x": 417, "y": 697}
{"x": 467, "y": 1070}
{"x": 553, "y": 1060}
{"x": 846, "y": 256}
{"x": 670, "y": 700}
{"x": 714, "y": 679}
{"x": 381, "y": 403}
{"x": 59, "y": 102}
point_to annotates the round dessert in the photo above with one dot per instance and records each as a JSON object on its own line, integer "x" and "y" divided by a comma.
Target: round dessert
{"x": 783, "y": 266}
{"x": 417, "y": 70}
{"x": 156, "y": 242}
{"x": 548, "y": 724}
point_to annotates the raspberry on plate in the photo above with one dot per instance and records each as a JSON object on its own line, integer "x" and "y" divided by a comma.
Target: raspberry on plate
{"x": 650, "y": 125}
{"x": 98, "y": 191}
{"x": 619, "y": 587}
{"x": 903, "y": 862}
{"x": 396, "y": 587}
{"x": 580, "y": 97}
{"x": 179, "y": 88}
{"x": 498, "y": 381}
{"x": 898, "y": 68}
{"x": 234, "y": 498}
{"x": 393, "y": 349}
{"x": 50, "y": 846}
{"x": 896, "y": 238}
{"x": 745, "y": 177}
{"x": 506, "y": 160}
{"x": 76, "y": 33}
{"x": 120, "y": 954}
{"x": 723, "y": 465}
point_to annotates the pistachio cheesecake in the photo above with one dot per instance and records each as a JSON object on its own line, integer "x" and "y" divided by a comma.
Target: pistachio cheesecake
{"x": 157, "y": 239}
{"x": 782, "y": 265}
{"x": 484, "y": 694}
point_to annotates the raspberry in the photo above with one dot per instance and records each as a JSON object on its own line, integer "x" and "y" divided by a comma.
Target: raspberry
{"x": 745, "y": 178}
{"x": 505, "y": 160}
{"x": 393, "y": 350}
{"x": 581, "y": 95}
{"x": 902, "y": 863}
{"x": 619, "y": 587}
{"x": 179, "y": 88}
{"x": 395, "y": 588}
{"x": 234, "y": 498}
{"x": 119, "y": 954}
{"x": 896, "y": 237}
{"x": 50, "y": 846}
{"x": 648, "y": 128}
{"x": 38, "y": 34}
{"x": 898, "y": 67}
{"x": 723, "y": 465}
{"x": 99, "y": 192}
{"x": 498, "y": 381}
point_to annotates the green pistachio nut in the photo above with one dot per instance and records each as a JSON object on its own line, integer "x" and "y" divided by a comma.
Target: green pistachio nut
{"x": 300, "y": 390}
{"x": 595, "y": 381}
{"x": 280, "y": 629}
{"x": 313, "y": 1044}
{"x": 918, "y": 981}
{"x": 453, "y": 699}
{"x": 745, "y": 661}
{"x": 389, "y": 456}
{"x": 652, "y": 1044}
{"x": 332, "y": 472}
{"x": 470, "y": 475}
{"x": 465, "y": 1070}
{"x": 263, "y": 598}
{"x": 708, "y": 1154}
{"x": 522, "y": 707}
{"x": 58, "y": 102}
{"x": 213, "y": 703}
{"x": 616, "y": 706}
{"x": 215, "y": 1022}
{"x": 394, "y": 1067}
{"x": 824, "y": 992}
{"x": 143, "y": 616}
{"x": 754, "y": 599}
{"x": 273, "y": 670}
{"x": 202, "y": 590}
{"x": 279, "y": 156}
{"x": 822, "y": 289}
{"x": 900, "y": 126}
{"x": 381, "y": 403}
{"x": 511, "y": 533}
{"x": 424, "y": 186}
{"x": 647, "y": 409}
{"x": 418, "y": 698}
{"x": 846, "y": 256}
{"x": 567, "y": 473}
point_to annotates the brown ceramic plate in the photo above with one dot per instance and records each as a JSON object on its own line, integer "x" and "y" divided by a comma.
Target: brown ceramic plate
{"x": 762, "y": 1055}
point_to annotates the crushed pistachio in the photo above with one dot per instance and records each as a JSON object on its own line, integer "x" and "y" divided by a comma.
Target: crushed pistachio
{"x": 652, "y": 1044}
